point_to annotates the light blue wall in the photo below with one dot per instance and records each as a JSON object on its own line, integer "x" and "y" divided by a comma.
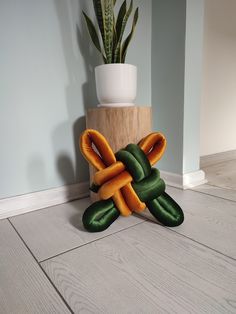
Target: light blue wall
{"x": 193, "y": 82}
{"x": 177, "y": 38}
{"x": 168, "y": 61}
{"x": 140, "y": 51}
{"x": 46, "y": 82}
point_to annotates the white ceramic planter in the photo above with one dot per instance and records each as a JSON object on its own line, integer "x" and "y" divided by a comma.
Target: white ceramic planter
{"x": 116, "y": 84}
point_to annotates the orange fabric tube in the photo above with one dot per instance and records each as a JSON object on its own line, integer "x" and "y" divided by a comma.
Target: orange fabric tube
{"x": 108, "y": 173}
{"x": 109, "y": 188}
{"x": 120, "y": 203}
{"x": 132, "y": 199}
{"x": 154, "y": 146}
{"x": 106, "y": 157}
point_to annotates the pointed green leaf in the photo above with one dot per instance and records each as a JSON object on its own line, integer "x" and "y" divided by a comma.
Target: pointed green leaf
{"x": 117, "y": 56}
{"x": 129, "y": 37}
{"x": 114, "y": 38}
{"x": 120, "y": 18}
{"x": 93, "y": 34}
{"x": 108, "y": 29}
{"x": 99, "y": 15}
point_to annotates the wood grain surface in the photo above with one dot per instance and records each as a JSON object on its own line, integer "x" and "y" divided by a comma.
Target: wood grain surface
{"x": 54, "y": 230}
{"x": 120, "y": 126}
{"x": 24, "y": 288}
{"x": 145, "y": 269}
{"x": 208, "y": 219}
{"x": 228, "y": 194}
{"x": 214, "y": 159}
{"x": 222, "y": 174}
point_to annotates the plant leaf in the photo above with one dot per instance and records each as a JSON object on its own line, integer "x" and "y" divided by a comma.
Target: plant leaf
{"x": 129, "y": 37}
{"x": 120, "y": 18}
{"x": 114, "y": 38}
{"x": 114, "y": 3}
{"x": 117, "y": 56}
{"x": 93, "y": 34}
{"x": 99, "y": 15}
{"x": 108, "y": 29}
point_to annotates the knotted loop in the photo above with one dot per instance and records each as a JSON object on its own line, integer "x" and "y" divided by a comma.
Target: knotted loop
{"x": 106, "y": 157}
{"x": 146, "y": 182}
{"x": 129, "y": 183}
{"x": 151, "y": 187}
{"x": 154, "y": 146}
{"x": 135, "y": 162}
{"x": 114, "y": 177}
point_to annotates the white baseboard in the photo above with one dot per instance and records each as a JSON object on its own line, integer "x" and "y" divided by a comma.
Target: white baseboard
{"x": 184, "y": 181}
{"x": 21, "y": 204}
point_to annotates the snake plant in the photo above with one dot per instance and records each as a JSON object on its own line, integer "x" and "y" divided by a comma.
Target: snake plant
{"x": 110, "y": 42}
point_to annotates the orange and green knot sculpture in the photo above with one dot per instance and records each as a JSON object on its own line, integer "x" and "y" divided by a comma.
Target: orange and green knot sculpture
{"x": 126, "y": 182}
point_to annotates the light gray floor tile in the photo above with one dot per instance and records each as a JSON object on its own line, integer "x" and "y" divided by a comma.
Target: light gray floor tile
{"x": 145, "y": 269}
{"x": 24, "y": 288}
{"x": 213, "y": 159}
{"x": 222, "y": 174}
{"x": 216, "y": 191}
{"x": 208, "y": 219}
{"x": 53, "y": 230}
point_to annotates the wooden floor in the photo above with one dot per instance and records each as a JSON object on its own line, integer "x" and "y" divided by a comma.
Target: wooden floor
{"x": 50, "y": 264}
{"x": 220, "y": 170}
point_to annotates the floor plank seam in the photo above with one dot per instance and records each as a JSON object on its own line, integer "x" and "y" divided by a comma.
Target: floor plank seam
{"x": 205, "y": 193}
{"x": 193, "y": 240}
{"x": 203, "y": 167}
{"x": 194, "y": 189}
{"x": 220, "y": 187}
{"x": 38, "y": 263}
{"x": 202, "y": 244}
{"x": 201, "y": 192}
{"x": 82, "y": 245}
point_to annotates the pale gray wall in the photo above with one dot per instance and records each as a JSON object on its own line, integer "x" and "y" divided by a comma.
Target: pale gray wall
{"x": 46, "y": 81}
{"x": 168, "y": 62}
{"x": 218, "y": 108}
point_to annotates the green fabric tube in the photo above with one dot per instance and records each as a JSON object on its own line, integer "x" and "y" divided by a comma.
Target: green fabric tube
{"x": 140, "y": 156}
{"x": 94, "y": 188}
{"x": 131, "y": 164}
{"x": 166, "y": 210}
{"x": 100, "y": 215}
{"x": 151, "y": 187}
